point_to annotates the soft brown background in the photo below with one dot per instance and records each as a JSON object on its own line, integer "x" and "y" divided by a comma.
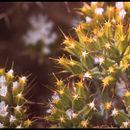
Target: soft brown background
{"x": 13, "y": 24}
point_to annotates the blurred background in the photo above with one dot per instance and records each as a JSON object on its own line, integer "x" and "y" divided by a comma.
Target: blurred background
{"x": 29, "y": 35}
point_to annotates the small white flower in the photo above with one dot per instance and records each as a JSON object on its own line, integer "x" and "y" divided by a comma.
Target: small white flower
{"x": 84, "y": 53}
{"x": 3, "y": 90}
{"x": 87, "y": 75}
{"x": 92, "y": 105}
{"x": 99, "y": 11}
{"x": 15, "y": 84}
{"x": 114, "y": 112}
{"x": 69, "y": 113}
{"x": 122, "y": 13}
{"x": 98, "y": 60}
{"x": 41, "y": 31}
{"x": 121, "y": 88}
{"x": 3, "y": 109}
{"x": 88, "y": 19}
{"x": 119, "y": 5}
{"x": 48, "y": 111}
{"x": 12, "y": 118}
{"x": 2, "y": 80}
{"x": 55, "y": 96}
{"x": 101, "y": 60}
{"x": 1, "y": 125}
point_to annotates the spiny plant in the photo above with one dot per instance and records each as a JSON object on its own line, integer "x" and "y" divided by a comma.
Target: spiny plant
{"x": 13, "y": 111}
{"x": 97, "y": 92}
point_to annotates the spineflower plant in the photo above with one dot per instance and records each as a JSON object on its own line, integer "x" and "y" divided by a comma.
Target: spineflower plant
{"x": 13, "y": 111}
{"x": 96, "y": 94}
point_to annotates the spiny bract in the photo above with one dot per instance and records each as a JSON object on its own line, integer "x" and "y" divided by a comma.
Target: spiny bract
{"x": 97, "y": 93}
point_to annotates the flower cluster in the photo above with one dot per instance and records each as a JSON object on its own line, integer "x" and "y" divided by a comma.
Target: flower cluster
{"x": 97, "y": 92}
{"x": 12, "y": 102}
{"x": 41, "y": 36}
